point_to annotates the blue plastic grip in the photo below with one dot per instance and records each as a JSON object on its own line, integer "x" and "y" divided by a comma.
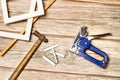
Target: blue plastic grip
{"x": 101, "y": 53}
{"x": 84, "y": 44}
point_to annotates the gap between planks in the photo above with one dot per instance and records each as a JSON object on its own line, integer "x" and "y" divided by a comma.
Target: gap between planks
{"x": 110, "y": 38}
{"x": 103, "y": 2}
{"x": 2, "y": 67}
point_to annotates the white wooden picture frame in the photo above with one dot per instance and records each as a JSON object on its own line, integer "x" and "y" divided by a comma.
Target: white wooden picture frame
{"x": 25, "y": 36}
{"x": 8, "y": 19}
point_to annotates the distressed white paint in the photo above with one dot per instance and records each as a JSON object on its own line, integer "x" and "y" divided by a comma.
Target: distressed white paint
{"x": 25, "y": 16}
{"x": 26, "y": 36}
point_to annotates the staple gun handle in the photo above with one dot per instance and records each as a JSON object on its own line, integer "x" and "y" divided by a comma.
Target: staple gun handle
{"x": 102, "y": 63}
{"x": 84, "y": 44}
{"x": 101, "y": 53}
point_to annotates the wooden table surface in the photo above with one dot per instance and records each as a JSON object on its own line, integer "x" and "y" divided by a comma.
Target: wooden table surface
{"x": 60, "y": 25}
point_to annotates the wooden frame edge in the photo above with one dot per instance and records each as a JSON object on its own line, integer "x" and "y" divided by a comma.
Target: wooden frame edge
{"x": 3, "y": 51}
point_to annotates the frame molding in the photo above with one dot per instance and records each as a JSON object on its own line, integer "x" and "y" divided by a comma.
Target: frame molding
{"x": 25, "y": 16}
{"x": 13, "y": 41}
{"x": 25, "y": 36}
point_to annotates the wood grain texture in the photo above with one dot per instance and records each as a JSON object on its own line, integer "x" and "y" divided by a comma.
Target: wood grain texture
{"x": 103, "y": 2}
{"x": 60, "y": 25}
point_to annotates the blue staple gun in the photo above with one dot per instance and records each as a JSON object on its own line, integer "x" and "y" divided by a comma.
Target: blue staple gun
{"x": 82, "y": 43}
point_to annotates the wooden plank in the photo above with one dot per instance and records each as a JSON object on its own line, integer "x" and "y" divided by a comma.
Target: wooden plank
{"x": 41, "y": 75}
{"x": 106, "y": 2}
{"x": 71, "y": 64}
{"x": 95, "y": 19}
{"x": 60, "y": 25}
